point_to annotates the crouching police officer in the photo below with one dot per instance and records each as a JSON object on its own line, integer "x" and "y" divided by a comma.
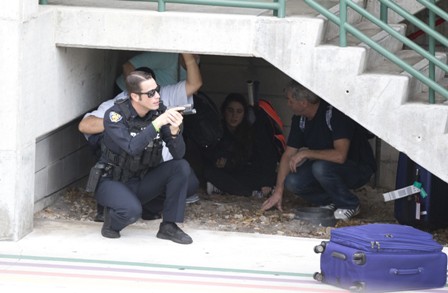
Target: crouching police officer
{"x": 134, "y": 172}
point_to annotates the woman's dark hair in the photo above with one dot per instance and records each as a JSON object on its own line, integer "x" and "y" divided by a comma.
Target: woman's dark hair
{"x": 235, "y": 97}
{"x": 243, "y": 133}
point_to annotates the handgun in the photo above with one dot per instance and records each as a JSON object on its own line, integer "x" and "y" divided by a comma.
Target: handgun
{"x": 188, "y": 109}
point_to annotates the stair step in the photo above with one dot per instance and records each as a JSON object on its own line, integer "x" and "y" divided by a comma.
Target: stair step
{"x": 299, "y": 7}
{"x": 423, "y": 96}
{"x": 368, "y": 28}
{"x": 377, "y": 35}
{"x": 411, "y": 6}
{"x": 417, "y": 86}
{"x": 415, "y": 60}
{"x": 332, "y": 30}
{"x": 409, "y": 56}
{"x": 380, "y": 37}
{"x": 386, "y": 41}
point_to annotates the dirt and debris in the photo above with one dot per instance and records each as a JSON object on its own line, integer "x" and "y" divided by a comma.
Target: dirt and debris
{"x": 242, "y": 214}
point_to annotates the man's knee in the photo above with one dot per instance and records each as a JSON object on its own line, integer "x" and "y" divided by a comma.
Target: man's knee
{"x": 292, "y": 183}
{"x": 322, "y": 169}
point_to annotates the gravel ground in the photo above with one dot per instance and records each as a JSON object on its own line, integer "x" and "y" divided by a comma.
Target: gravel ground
{"x": 242, "y": 214}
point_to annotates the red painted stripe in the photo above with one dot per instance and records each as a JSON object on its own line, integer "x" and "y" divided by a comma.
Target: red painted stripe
{"x": 419, "y": 33}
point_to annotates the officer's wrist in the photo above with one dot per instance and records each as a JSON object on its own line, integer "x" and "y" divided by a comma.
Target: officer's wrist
{"x": 156, "y": 127}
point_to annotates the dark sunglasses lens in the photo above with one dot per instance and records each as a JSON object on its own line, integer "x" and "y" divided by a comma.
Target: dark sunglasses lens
{"x": 151, "y": 93}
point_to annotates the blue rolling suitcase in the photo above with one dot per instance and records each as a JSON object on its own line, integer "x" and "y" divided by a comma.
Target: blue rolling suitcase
{"x": 427, "y": 210}
{"x": 381, "y": 257}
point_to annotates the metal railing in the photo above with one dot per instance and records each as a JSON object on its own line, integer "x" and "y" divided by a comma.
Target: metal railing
{"x": 433, "y": 35}
{"x": 277, "y": 6}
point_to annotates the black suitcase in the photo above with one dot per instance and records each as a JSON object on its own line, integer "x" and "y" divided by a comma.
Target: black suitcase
{"x": 427, "y": 209}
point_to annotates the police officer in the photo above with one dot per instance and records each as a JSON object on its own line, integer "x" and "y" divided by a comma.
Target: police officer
{"x": 132, "y": 153}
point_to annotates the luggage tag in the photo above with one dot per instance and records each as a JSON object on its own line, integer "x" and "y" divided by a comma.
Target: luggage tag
{"x": 400, "y": 193}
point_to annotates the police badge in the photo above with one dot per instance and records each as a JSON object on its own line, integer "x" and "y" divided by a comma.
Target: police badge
{"x": 114, "y": 117}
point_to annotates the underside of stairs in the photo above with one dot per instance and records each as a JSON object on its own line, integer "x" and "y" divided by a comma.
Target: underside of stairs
{"x": 356, "y": 79}
{"x": 379, "y": 94}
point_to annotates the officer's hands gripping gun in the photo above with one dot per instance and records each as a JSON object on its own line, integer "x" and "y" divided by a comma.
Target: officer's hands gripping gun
{"x": 94, "y": 177}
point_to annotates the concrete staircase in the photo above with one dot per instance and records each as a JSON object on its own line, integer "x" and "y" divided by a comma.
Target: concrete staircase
{"x": 412, "y": 125}
{"x": 377, "y": 93}
{"x": 304, "y": 45}
{"x": 382, "y": 94}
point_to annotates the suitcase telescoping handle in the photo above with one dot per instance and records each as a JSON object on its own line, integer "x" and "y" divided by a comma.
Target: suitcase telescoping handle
{"x": 252, "y": 92}
{"x": 415, "y": 271}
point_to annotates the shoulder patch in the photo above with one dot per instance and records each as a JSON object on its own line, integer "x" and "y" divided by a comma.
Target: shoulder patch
{"x": 115, "y": 117}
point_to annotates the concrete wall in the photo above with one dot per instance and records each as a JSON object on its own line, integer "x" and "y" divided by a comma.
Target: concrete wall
{"x": 62, "y": 159}
{"x": 17, "y": 147}
{"x": 223, "y": 75}
{"x": 44, "y": 87}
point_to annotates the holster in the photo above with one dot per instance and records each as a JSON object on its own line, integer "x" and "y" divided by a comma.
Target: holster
{"x": 94, "y": 177}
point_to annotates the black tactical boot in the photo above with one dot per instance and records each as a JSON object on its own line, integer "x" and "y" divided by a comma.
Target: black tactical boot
{"x": 170, "y": 231}
{"x": 107, "y": 231}
{"x": 149, "y": 216}
{"x": 99, "y": 217}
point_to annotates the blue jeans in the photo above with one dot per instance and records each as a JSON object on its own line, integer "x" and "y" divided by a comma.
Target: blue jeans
{"x": 323, "y": 182}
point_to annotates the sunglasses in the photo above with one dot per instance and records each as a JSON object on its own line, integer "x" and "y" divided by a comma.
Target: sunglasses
{"x": 151, "y": 93}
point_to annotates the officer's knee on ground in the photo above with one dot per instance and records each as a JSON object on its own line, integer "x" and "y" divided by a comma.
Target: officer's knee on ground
{"x": 133, "y": 214}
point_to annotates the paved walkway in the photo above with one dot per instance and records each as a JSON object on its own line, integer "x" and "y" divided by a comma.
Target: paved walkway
{"x": 73, "y": 257}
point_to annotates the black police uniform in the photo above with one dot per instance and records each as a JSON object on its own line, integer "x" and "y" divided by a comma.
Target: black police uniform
{"x": 135, "y": 172}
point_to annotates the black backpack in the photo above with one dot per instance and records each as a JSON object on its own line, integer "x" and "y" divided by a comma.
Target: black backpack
{"x": 203, "y": 128}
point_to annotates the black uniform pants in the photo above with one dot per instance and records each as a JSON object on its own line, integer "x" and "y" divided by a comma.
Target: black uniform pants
{"x": 125, "y": 200}
{"x": 155, "y": 206}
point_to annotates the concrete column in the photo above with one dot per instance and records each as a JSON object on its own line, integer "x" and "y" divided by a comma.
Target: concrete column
{"x": 16, "y": 147}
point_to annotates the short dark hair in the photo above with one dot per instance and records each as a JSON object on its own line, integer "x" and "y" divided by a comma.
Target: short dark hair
{"x": 134, "y": 79}
{"x": 147, "y": 70}
{"x": 299, "y": 92}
